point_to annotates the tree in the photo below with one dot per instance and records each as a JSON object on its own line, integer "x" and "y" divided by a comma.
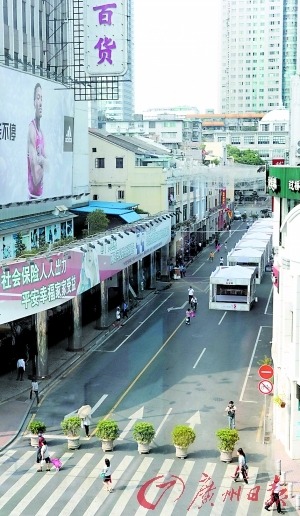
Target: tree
{"x": 247, "y": 157}
{"x": 97, "y": 222}
{"x": 20, "y": 246}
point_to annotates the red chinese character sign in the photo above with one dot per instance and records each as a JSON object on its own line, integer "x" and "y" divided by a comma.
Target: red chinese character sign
{"x": 105, "y": 37}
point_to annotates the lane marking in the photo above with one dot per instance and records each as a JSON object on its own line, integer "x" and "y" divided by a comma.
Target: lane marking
{"x": 140, "y": 324}
{"x": 163, "y": 422}
{"x": 143, "y": 371}
{"x": 220, "y": 321}
{"x": 99, "y": 403}
{"x": 198, "y": 269}
{"x": 269, "y": 299}
{"x": 250, "y": 364}
{"x": 198, "y": 360}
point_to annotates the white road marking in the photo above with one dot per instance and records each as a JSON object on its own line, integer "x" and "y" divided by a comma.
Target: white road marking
{"x": 94, "y": 408}
{"x": 178, "y": 307}
{"x": 139, "y": 414}
{"x": 163, "y": 422}
{"x": 198, "y": 269}
{"x": 268, "y": 302}
{"x": 198, "y": 360}
{"x": 194, "y": 420}
{"x": 220, "y": 321}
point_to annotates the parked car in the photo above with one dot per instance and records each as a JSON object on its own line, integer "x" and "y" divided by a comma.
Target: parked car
{"x": 237, "y": 215}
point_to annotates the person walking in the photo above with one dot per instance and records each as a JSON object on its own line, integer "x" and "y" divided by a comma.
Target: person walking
{"x": 125, "y": 310}
{"x": 275, "y": 495}
{"x": 191, "y": 293}
{"x": 20, "y": 368}
{"x": 194, "y": 303}
{"x": 231, "y": 409}
{"x": 221, "y": 261}
{"x": 43, "y": 456}
{"x": 188, "y": 316}
{"x": 35, "y": 390}
{"x": 242, "y": 466}
{"x": 118, "y": 317}
{"x": 106, "y": 475}
{"x": 86, "y": 421}
{"x": 211, "y": 256}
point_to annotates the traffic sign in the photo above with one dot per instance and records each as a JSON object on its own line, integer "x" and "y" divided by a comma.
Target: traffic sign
{"x": 265, "y": 387}
{"x": 266, "y": 371}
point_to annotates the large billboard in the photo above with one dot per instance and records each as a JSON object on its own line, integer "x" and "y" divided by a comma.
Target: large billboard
{"x": 36, "y": 138}
{"x": 31, "y": 286}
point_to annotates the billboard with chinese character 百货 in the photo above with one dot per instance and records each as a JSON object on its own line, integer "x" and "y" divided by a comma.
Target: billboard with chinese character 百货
{"x": 105, "y": 36}
{"x": 36, "y": 138}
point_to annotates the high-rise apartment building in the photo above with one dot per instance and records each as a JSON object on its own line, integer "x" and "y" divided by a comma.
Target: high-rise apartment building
{"x": 259, "y": 54}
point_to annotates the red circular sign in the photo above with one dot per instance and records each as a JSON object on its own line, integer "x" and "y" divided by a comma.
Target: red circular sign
{"x": 266, "y": 371}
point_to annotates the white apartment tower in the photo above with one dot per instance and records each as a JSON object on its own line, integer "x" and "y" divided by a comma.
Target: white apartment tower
{"x": 259, "y": 54}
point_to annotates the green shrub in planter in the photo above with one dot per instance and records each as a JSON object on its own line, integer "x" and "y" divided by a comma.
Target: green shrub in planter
{"x": 143, "y": 432}
{"x": 183, "y": 436}
{"x": 227, "y": 439}
{"x": 107, "y": 429}
{"x": 71, "y": 426}
{"x": 35, "y": 427}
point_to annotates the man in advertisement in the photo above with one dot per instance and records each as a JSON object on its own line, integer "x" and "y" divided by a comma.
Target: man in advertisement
{"x": 36, "y": 157}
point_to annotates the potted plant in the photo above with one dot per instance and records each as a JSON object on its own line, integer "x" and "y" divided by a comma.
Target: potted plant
{"x": 143, "y": 434}
{"x": 107, "y": 430}
{"x": 182, "y": 437}
{"x": 227, "y": 439}
{"x": 279, "y": 401}
{"x": 36, "y": 427}
{"x": 71, "y": 428}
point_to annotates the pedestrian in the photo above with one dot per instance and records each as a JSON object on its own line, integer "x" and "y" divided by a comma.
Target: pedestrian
{"x": 221, "y": 261}
{"x": 218, "y": 247}
{"x": 211, "y": 256}
{"x": 181, "y": 270}
{"x": 194, "y": 303}
{"x": 231, "y": 409}
{"x": 41, "y": 439}
{"x": 106, "y": 475}
{"x": 34, "y": 389}
{"x": 191, "y": 293}
{"x": 20, "y": 368}
{"x": 225, "y": 246}
{"x": 118, "y": 317}
{"x": 275, "y": 495}
{"x": 125, "y": 310}
{"x": 86, "y": 421}
{"x": 43, "y": 457}
{"x": 200, "y": 246}
{"x": 242, "y": 467}
{"x": 188, "y": 316}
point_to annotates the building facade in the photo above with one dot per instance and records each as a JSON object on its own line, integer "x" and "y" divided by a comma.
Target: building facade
{"x": 259, "y": 54}
{"x": 284, "y": 185}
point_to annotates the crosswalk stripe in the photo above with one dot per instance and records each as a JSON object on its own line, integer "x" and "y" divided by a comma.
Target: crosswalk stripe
{"x": 196, "y": 501}
{"x": 21, "y": 482}
{"x": 62, "y": 488}
{"x": 27, "y": 499}
{"x": 244, "y": 503}
{"x": 101, "y": 496}
{"x": 152, "y": 491}
{"x": 80, "y": 493}
{"x": 184, "y": 474}
{"x": 132, "y": 484}
{"x": 226, "y": 484}
{"x": 13, "y": 468}
{"x": 267, "y": 497}
{"x": 8, "y": 455}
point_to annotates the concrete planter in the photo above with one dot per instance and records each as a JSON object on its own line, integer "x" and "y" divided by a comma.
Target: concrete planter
{"x": 226, "y": 456}
{"x": 181, "y": 452}
{"x": 34, "y": 441}
{"x": 73, "y": 442}
{"x": 143, "y": 448}
{"x": 107, "y": 445}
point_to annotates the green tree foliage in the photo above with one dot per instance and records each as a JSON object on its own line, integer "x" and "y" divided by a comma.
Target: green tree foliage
{"x": 247, "y": 157}
{"x": 20, "y": 246}
{"x": 97, "y": 222}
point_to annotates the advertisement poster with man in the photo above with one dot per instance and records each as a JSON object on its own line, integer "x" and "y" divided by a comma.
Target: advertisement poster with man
{"x": 36, "y": 138}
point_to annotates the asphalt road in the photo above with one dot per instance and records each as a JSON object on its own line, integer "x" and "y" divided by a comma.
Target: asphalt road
{"x": 157, "y": 368}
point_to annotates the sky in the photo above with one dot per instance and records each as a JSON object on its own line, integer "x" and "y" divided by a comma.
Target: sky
{"x": 177, "y": 53}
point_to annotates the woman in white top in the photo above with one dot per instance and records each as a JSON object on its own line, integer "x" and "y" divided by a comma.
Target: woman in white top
{"x": 106, "y": 474}
{"x": 86, "y": 423}
{"x": 44, "y": 456}
{"x": 242, "y": 467}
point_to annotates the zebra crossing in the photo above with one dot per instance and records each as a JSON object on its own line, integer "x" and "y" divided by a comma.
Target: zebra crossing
{"x": 143, "y": 484}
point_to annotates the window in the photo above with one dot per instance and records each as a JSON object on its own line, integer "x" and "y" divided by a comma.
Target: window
{"x": 41, "y": 24}
{"x": 278, "y": 140}
{"x": 151, "y": 125}
{"x": 235, "y": 140}
{"x": 95, "y": 197}
{"x": 99, "y": 163}
{"x": 6, "y": 56}
{"x": 24, "y": 16}
{"x": 15, "y": 14}
{"x": 265, "y": 127}
{"x": 184, "y": 212}
{"x": 119, "y": 162}
{"x": 5, "y": 12}
{"x": 121, "y": 194}
{"x": 191, "y": 209}
{"x": 16, "y": 59}
{"x": 94, "y": 149}
{"x": 41, "y": 69}
{"x": 25, "y": 63}
{"x": 249, "y": 140}
{"x": 184, "y": 188}
{"x": 263, "y": 140}
{"x": 33, "y": 65}
{"x": 32, "y": 21}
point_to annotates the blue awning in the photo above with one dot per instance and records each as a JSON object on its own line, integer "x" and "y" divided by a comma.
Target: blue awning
{"x": 130, "y": 216}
